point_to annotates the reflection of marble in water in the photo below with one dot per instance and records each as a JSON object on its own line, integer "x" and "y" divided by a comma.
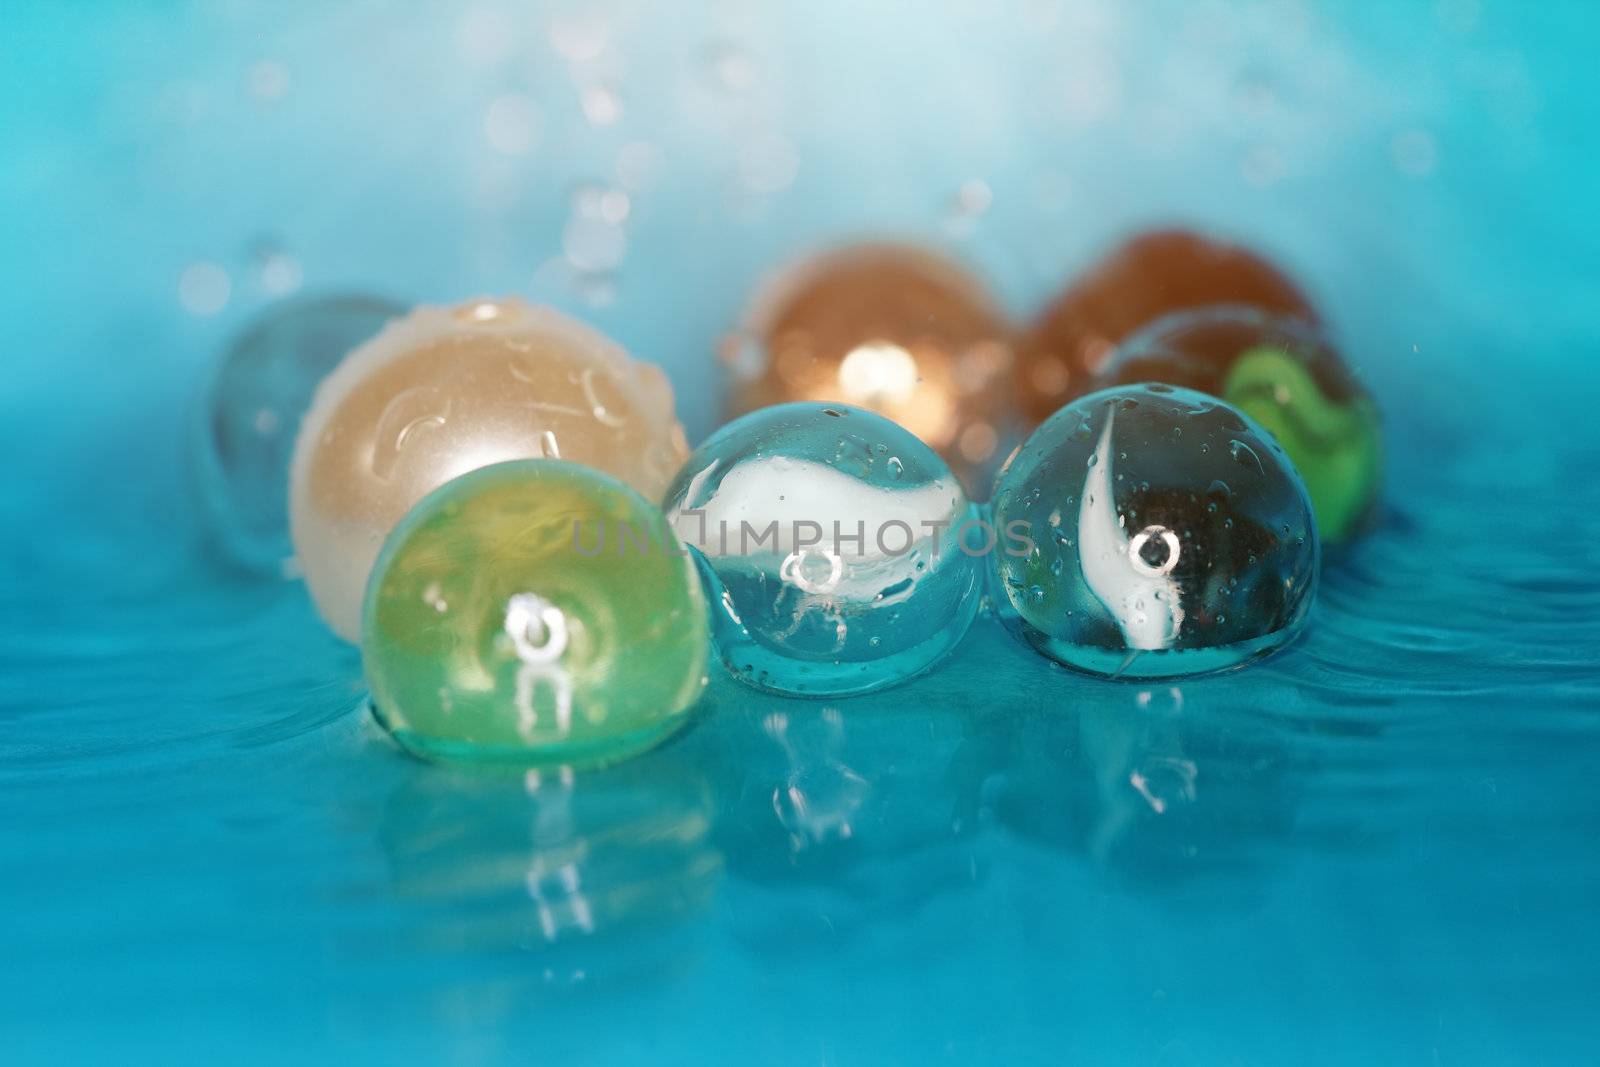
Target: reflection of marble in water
{"x": 555, "y": 881}
{"x": 1128, "y": 768}
{"x": 820, "y": 797}
{"x": 849, "y": 817}
{"x": 590, "y": 873}
{"x": 1158, "y": 788}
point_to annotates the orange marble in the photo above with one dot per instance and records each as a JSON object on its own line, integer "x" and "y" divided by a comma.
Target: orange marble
{"x": 892, "y": 328}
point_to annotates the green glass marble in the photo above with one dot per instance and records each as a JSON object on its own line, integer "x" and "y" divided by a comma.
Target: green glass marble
{"x": 535, "y": 612}
{"x": 1282, "y": 372}
{"x": 1336, "y": 446}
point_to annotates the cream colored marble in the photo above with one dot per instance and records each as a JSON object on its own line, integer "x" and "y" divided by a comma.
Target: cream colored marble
{"x": 445, "y": 391}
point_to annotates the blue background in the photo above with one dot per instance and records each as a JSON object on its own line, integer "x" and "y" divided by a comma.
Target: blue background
{"x": 1376, "y": 847}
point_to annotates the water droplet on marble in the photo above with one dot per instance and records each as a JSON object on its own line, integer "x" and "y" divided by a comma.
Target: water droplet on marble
{"x": 413, "y": 412}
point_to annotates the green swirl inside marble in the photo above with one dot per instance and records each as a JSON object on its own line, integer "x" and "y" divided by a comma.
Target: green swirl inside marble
{"x": 1337, "y": 447}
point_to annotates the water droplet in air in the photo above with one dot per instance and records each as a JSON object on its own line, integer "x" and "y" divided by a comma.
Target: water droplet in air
{"x": 602, "y": 105}
{"x": 592, "y": 244}
{"x": 730, "y": 68}
{"x": 511, "y": 125}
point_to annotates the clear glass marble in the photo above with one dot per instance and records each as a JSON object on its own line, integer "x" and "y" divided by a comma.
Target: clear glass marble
{"x": 1166, "y": 534}
{"x": 250, "y": 412}
{"x": 535, "y": 612}
{"x": 447, "y": 390}
{"x": 842, "y": 553}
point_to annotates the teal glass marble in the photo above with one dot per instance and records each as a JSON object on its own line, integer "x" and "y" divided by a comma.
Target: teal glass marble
{"x": 841, "y": 551}
{"x": 1167, "y": 534}
{"x": 250, "y": 412}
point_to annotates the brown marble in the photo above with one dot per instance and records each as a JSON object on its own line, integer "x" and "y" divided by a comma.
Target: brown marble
{"x": 1148, "y": 276}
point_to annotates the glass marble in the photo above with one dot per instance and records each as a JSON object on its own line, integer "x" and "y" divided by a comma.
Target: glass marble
{"x": 841, "y": 551}
{"x": 445, "y": 391}
{"x": 251, "y": 409}
{"x": 1167, "y": 534}
{"x": 892, "y": 328}
{"x": 1281, "y": 372}
{"x": 536, "y": 612}
{"x": 1152, "y": 274}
